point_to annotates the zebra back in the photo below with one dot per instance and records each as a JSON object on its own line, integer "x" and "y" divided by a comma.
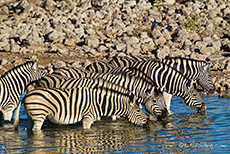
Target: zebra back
{"x": 68, "y": 106}
{"x": 13, "y": 83}
{"x": 138, "y": 86}
{"x": 197, "y": 70}
{"x": 171, "y": 81}
{"x": 62, "y": 82}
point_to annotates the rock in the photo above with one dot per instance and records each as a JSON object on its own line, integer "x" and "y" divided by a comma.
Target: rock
{"x": 14, "y": 48}
{"x": 169, "y": 2}
{"x": 129, "y": 49}
{"x": 163, "y": 52}
{"x": 92, "y": 42}
{"x": 50, "y": 5}
{"x": 69, "y": 42}
{"x": 131, "y": 41}
{"x": 76, "y": 64}
{"x": 59, "y": 64}
{"x": 4, "y": 10}
{"x": 225, "y": 94}
{"x": 120, "y": 46}
{"x": 3, "y": 61}
{"x": 160, "y": 41}
{"x": 56, "y": 36}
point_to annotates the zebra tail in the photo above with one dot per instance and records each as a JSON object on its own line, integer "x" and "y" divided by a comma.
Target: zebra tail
{"x": 16, "y": 116}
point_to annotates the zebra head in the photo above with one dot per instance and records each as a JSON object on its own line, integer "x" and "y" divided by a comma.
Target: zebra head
{"x": 136, "y": 115}
{"x": 155, "y": 104}
{"x": 205, "y": 79}
{"x": 35, "y": 73}
{"x": 192, "y": 97}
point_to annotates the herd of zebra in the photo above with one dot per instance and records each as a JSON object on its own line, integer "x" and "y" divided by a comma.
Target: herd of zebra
{"x": 118, "y": 88}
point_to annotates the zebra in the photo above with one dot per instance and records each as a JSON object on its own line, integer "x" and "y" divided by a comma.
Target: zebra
{"x": 197, "y": 70}
{"x": 125, "y": 79}
{"x": 168, "y": 79}
{"x": 13, "y": 83}
{"x": 113, "y": 82}
{"x": 69, "y": 106}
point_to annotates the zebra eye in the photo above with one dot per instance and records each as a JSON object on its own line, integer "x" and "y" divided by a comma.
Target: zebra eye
{"x": 194, "y": 94}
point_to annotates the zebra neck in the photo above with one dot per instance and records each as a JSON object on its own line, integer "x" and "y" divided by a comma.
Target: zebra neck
{"x": 16, "y": 82}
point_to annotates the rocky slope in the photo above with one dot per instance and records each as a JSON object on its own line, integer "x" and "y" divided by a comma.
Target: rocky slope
{"x": 78, "y": 32}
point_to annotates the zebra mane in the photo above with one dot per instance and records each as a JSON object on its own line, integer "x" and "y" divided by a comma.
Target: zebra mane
{"x": 186, "y": 58}
{"x": 19, "y": 66}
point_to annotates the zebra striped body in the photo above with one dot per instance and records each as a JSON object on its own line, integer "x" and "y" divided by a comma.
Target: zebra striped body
{"x": 197, "y": 70}
{"x": 125, "y": 79}
{"x": 68, "y": 106}
{"x": 170, "y": 81}
{"x": 13, "y": 83}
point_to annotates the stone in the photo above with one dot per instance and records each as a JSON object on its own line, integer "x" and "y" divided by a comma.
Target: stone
{"x": 160, "y": 41}
{"x": 56, "y": 36}
{"x": 14, "y": 48}
{"x": 120, "y": 46}
{"x": 169, "y": 2}
{"x": 69, "y": 42}
{"x": 163, "y": 52}
{"x": 76, "y": 64}
{"x": 92, "y": 42}
{"x": 3, "y": 61}
{"x": 129, "y": 49}
{"x": 102, "y": 48}
{"x": 59, "y": 64}
{"x": 131, "y": 40}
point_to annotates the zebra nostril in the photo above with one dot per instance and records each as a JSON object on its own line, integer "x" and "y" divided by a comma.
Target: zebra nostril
{"x": 211, "y": 91}
{"x": 202, "y": 108}
{"x": 147, "y": 123}
{"x": 164, "y": 114}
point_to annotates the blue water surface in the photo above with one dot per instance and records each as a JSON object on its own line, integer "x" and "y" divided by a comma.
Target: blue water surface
{"x": 185, "y": 131}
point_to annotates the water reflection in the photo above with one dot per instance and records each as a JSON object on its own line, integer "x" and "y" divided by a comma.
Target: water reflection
{"x": 182, "y": 132}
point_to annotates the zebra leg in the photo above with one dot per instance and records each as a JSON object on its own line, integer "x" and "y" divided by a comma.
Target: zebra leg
{"x": 114, "y": 117}
{"x": 167, "y": 98}
{"x": 0, "y": 117}
{"x": 7, "y": 116}
{"x": 87, "y": 122}
{"x": 35, "y": 123}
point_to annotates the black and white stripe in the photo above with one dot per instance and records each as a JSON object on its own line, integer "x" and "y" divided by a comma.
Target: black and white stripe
{"x": 170, "y": 81}
{"x": 124, "y": 78}
{"x": 197, "y": 70}
{"x": 68, "y": 106}
{"x": 13, "y": 83}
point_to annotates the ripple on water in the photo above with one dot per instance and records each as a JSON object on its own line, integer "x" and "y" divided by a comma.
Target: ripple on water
{"x": 183, "y": 132}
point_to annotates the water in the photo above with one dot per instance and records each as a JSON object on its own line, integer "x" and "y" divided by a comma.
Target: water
{"x": 183, "y": 132}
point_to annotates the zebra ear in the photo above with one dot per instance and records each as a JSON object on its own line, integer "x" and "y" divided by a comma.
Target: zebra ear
{"x": 35, "y": 65}
{"x": 207, "y": 66}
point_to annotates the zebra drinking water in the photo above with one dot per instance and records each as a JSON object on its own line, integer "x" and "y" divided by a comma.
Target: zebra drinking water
{"x": 168, "y": 79}
{"x": 122, "y": 77}
{"x": 68, "y": 106}
{"x": 13, "y": 83}
{"x": 197, "y": 70}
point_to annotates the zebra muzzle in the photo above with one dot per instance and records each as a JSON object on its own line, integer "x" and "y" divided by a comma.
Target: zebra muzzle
{"x": 164, "y": 114}
{"x": 202, "y": 108}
